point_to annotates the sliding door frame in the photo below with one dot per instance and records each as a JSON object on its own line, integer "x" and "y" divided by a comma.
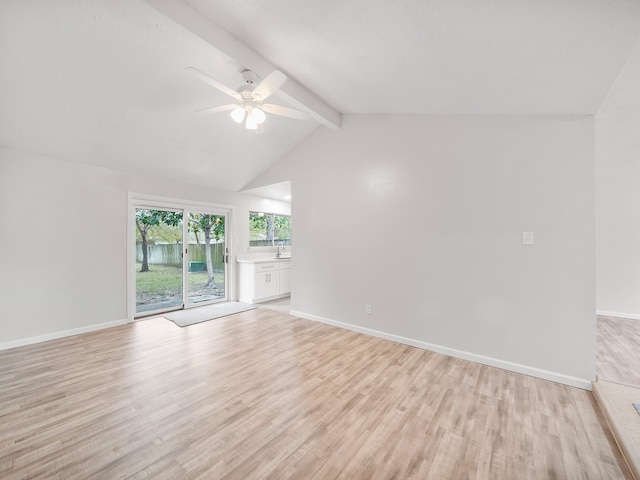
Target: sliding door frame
{"x": 187, "y": 257}
{"x": 171, "y": 308}
{"x": 138, "y": 200}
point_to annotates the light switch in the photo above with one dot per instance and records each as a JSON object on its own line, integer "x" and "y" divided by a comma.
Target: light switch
{"x": 527, "y": 238}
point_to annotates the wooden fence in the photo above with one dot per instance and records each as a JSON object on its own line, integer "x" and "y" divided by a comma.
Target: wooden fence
{"x": 171, "y": 254}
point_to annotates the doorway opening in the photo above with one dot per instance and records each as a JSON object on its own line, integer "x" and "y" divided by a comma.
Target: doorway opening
{"x": 179, "y": 258}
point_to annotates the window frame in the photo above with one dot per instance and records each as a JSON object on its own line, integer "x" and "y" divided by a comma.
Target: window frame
{"x": 274, "y": 243}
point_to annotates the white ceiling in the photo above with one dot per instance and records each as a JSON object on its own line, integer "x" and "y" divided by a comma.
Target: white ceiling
{"x": 104, "y": 82}
{"x": 624, "y": 96}
{"x": 278, "y": 191}
{"x": 442, "y": 56}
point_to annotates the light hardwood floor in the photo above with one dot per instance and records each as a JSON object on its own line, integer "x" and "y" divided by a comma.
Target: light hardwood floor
{"x": 618, "y": 369}
{"x": 618, "y": 356}
{"x": 264, "y": 395}
{"x": 616, "y": 401}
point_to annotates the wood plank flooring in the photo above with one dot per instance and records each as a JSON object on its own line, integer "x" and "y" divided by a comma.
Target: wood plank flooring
{"x": 263, "y": 395}
{"x": 616, "y": 402}
{"x": 618, "y": 354}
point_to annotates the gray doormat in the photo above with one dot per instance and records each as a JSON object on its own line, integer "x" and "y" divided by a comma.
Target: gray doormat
{"x": 184, "y": 318}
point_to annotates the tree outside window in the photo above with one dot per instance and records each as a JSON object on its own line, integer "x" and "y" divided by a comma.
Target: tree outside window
{"x": 269, "y": 229}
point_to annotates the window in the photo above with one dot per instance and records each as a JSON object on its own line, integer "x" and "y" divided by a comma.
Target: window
{"x": 269, "y": 229}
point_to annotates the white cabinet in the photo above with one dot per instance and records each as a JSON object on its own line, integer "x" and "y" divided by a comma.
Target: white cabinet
{"x": 285, "y": 281}
{"x": 260, "y": 281}
{"x": 266, "y": 284}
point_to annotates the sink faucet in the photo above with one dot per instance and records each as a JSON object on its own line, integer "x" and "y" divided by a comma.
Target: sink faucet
{"x": 280, "y": 244}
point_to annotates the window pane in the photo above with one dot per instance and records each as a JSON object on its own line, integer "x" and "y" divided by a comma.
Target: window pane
{"x": 268, "y": 229}
{"x": 282, "y": 229}
{"x": 158, "y": 259}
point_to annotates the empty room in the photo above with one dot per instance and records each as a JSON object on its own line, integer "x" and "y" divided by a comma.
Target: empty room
{"x": 319, "y": 240}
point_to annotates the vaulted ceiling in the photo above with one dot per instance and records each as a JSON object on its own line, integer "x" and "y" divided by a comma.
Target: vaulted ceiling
{"x": 105, "y": 82}
{"x": 442, "y": 56}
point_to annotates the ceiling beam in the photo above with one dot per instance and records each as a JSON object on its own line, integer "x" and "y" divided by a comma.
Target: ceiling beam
{"x": 178, "y": 13}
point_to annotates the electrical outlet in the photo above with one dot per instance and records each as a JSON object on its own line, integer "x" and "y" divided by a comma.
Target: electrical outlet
{"x": 367, "y": 308}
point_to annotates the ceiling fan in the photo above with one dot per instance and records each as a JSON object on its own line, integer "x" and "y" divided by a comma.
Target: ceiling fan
{"x": 249, "y": 107}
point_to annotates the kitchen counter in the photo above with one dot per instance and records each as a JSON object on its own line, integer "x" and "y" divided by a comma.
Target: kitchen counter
{"x": 255, "y": 259}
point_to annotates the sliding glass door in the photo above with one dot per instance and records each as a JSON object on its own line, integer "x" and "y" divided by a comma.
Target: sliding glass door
{"x": 180, "y": 258}
{"x": 207, "y": 258}
{"x": 159, "y": 267}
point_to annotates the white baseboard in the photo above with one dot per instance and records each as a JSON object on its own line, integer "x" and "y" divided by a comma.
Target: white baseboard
{"x": 65, "y": 333}
{"x": 494, "y": 362}
{"x": 631, "y": 316}
{"x": 253, "y": 301}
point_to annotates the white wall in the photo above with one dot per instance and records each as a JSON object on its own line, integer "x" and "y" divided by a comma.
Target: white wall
{"x": 618, "y": 214}
{"x": 63, "y": 242}
{"x": 421, "y": 216}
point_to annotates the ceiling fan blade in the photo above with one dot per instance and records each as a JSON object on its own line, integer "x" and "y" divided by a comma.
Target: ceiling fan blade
{"x": 222, "y": 108}
{"x": 214, "y": 83}
{"x": 269, "y": 84}
{"x": 284, "y": 111}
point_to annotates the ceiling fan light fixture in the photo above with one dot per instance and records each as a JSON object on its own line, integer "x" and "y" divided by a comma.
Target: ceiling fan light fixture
{"x": 249, "y": 108}
{"x": 258, "y": 115}
{"x": 251, "y": 123}
{"x": 237, "y": 114}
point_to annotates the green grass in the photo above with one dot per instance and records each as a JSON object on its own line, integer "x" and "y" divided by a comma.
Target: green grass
{"x": 161, "y": 279}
